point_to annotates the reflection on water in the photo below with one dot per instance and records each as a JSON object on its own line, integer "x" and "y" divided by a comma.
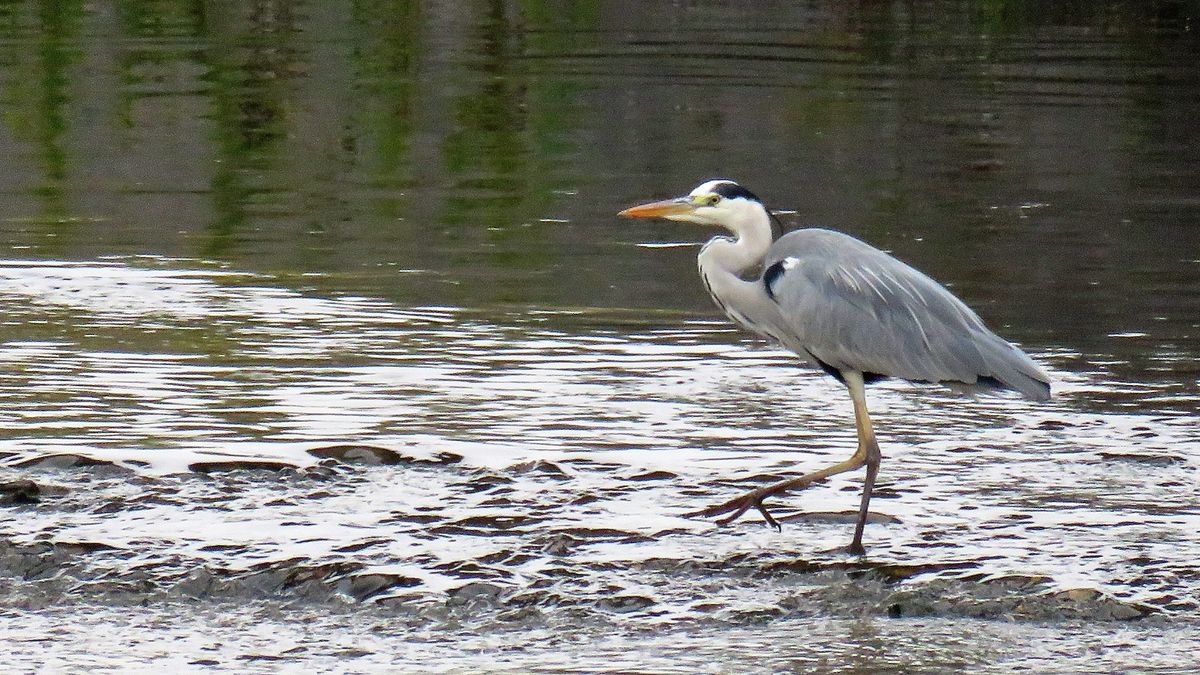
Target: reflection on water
{"x": 291, "y": 234}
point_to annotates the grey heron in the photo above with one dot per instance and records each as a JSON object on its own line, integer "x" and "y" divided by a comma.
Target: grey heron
{"x": 847, "y": 307}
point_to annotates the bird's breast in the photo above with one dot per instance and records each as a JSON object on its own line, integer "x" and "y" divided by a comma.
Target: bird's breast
{"x": 729, "y": 304}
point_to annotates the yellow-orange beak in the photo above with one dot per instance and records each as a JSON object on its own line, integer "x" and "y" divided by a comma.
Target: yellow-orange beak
{"x": 663, "y": 209}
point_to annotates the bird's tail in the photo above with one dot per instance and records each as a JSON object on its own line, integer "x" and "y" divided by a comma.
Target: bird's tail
{"x": 1010, "y": 368}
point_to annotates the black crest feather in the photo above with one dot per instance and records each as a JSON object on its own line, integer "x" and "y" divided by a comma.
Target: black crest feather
{"x": 731, "y": 190}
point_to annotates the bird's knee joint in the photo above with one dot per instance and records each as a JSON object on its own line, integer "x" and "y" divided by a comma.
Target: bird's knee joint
{"x": 868, "y": 453}
{"x": 874, "y": 458}
{"x": 873, "y": 455}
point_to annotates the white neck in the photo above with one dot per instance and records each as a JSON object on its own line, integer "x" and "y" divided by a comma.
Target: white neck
{"x": 726, "y": 263}
{"x": 743, "y": 254}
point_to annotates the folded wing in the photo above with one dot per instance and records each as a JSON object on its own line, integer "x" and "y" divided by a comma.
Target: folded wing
{"x": 852, "y": 306}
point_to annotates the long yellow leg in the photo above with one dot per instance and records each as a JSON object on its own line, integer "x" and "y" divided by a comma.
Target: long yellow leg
{"x": 868, "y": 449}
{"x": 867, "y": 454}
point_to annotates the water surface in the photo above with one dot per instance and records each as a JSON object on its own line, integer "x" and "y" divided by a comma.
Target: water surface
{"x": 323, "y": 347}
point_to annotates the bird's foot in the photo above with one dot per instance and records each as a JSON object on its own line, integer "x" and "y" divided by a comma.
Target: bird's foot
{"x": 767, "y": 517}
{"x": 737, "y": 506}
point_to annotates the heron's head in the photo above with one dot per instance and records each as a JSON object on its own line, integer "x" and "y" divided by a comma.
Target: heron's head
{"x": 721, "y": 202}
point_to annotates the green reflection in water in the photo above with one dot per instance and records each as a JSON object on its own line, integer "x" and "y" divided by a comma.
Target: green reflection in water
{"x": 386, "y": 58}
{"x": 40, "y": 98}
{"x": 511, "y": 152}
{"x": 249, "y": 60}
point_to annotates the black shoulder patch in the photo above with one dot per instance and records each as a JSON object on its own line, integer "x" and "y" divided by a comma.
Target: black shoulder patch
{"x": 733, "y": 191}
{"x": 770, "y": 276}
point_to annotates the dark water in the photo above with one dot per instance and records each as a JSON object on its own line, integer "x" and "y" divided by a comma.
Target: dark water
{"x": 243, "y": 234}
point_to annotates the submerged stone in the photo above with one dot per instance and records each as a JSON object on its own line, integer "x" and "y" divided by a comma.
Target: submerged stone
{"x": 239, "y": 465}
{"x": 373, "y": 455}
{"x": 21, "y": 491}
{"x": 476, "y": 593}
{"x": 365, "y": 586}
{"x": 66, "y": 460}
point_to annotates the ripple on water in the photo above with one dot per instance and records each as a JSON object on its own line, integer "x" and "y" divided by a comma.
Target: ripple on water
{"x": 454, "y": 468}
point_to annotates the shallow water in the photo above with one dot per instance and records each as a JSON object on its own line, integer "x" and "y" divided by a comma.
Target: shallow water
{"x": 507, "y": 478}
{"x": 322, "y": 348}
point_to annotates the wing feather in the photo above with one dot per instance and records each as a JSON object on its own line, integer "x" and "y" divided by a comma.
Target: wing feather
{"x": 852, "y": 306}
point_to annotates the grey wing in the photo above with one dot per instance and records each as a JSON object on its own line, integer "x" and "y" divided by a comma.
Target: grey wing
{"x": 852, "y": 306}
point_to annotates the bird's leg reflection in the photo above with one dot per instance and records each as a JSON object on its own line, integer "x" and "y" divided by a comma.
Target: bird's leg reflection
{"x": 867, "y": 455}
